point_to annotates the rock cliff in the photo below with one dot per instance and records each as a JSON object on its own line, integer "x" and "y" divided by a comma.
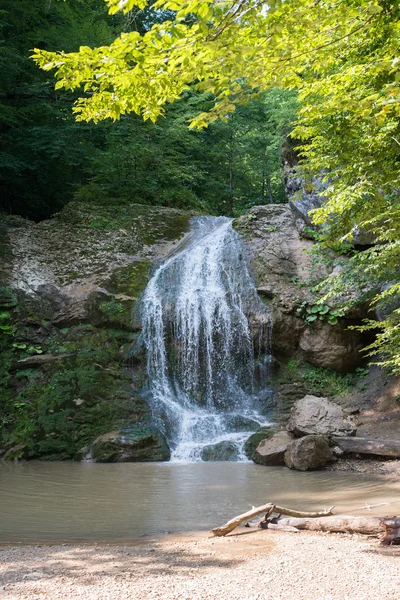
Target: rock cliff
{"x": 68, "y": 292}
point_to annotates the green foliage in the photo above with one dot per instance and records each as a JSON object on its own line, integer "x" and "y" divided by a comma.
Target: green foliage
{"x": 43, "y": 151}
{"x": 61, "y": 407}
{"x": 320, "y": 380}
{"x": 321, "y": 312}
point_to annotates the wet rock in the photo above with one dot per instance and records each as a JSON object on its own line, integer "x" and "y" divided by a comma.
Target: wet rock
{"x": 309, "y": 452}
{"x": 271, "y": 452}
{"x": 264, "y": 433}
{"x": 240, "y": 423}
{"x": 222, "y": 451}
{"x": 318, "y": 416}
{"x": 132, "y": 444}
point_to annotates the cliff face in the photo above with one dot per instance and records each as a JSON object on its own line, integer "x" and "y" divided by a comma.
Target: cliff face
{"x": 285, "y": 272}
{"x": 68, "y": 293}
{"x": 69, "y": 289}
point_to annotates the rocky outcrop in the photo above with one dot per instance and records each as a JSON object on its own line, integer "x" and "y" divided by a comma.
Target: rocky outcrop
{"x": 222, "y": 451}
{"x": 144, "y": 444}
{"x": 285, "y": 272}
{"x": 264, "y": 433}
{"x": 271, "y": 452}
{"x": 318, "y": 416}
{"x": 309, "y": 452}
{"x": 90, "y": 258}
{"x": 68, "y": 293}
{"x": 306, "y": 197}
{"x": 337, "y": 347}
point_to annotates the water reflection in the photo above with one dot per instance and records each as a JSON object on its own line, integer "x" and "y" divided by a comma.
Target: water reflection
{"x": 70, "y": 502}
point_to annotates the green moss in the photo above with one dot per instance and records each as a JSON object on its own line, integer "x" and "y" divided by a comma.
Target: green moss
{"x": 65, "y": 405}
{"x": 318, "y": 379}
{"x": 130, "y": 280}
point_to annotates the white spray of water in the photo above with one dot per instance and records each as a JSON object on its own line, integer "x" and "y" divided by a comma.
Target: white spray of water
{"x": 199, "y": 342}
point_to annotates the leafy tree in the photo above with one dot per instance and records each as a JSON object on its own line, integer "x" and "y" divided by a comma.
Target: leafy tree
{"x": 224, "y": 169}
{"x": 341, "y": 56}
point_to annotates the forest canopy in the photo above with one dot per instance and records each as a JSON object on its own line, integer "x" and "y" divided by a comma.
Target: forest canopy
{"x": 341, "y": 57}
{"x": 47, "y": 158}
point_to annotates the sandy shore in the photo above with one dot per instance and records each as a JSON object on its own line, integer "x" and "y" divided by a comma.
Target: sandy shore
{"x": 251, "y": 565}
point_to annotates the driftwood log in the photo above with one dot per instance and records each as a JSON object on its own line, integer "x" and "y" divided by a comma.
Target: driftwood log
{"x": 268, "y": 509}
{"x": 356, "y": 445}
{"x": 295, "y": 520}
{"x": 331, "y": 524}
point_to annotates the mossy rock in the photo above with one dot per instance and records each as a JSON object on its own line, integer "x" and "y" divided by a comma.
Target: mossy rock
{"x": 133, "y": 444}
{"x": 265, "y": 433}
{"x": 222, "y": 451}
{"x": 236, "y": 423}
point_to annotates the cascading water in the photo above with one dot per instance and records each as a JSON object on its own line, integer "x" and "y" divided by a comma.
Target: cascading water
{"x": 200, "y": 343}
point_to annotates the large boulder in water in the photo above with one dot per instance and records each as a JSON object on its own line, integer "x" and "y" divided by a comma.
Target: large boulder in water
{"x": 309, "y": 452}
{"x": 271, "y": 452}
{"x": 222, "y": 451}
{"x": 132, "y": 444}
{"x": 264, "y": 433}
{"x": 319, "y": 416}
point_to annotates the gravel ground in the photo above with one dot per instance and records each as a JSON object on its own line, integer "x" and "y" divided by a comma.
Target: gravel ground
{"x": 255, "y": 565}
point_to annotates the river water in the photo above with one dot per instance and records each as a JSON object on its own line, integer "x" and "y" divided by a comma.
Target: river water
{"x": 127, "y": 502}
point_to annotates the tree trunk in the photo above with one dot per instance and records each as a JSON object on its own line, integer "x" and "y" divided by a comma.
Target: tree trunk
{"x": 355, "y": 445}
{"x": 335, "y": 524}
{"x": 266, "y": 191}
{"x": 231, "y": 189}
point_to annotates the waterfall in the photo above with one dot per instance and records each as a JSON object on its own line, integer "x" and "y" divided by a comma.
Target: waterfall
{"x": 199, "y": 342}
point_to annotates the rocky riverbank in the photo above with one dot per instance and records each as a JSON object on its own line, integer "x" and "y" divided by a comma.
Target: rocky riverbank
{"x": 252, "y": 565}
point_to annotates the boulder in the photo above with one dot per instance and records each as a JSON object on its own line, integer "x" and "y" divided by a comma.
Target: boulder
{"x": 240, "y": 423}
{"x": 264, "y": 433}
{"x": 331, "y": 347}
{"x": 309, "y": 452}
{"x": 222, "y": 451}
{"x": 131, "y": 444}
{"x": 271, "y": 452}
{"x": 318, "y": 416}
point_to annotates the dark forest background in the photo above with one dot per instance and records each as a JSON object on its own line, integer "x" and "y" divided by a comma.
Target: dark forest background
{"x": 47, "y": 159}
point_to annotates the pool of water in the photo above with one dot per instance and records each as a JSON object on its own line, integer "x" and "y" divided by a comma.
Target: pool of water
{"x": 84, "y": 502}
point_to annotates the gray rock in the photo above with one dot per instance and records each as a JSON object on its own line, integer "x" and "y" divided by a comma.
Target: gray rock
{"x": 271, "y": 452}
{"x": 221, "y": 451}
{"x": 331, "y": 347}
{"x": 264, "y": 433}
{"x": 309, "y": 452}
{"x": 318, "y": 416}
{"x": 134, "y": 444}
{"x": 240, "y": 423}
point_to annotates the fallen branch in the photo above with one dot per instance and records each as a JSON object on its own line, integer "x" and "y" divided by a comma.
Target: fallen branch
{"x": 268, "y": 509}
